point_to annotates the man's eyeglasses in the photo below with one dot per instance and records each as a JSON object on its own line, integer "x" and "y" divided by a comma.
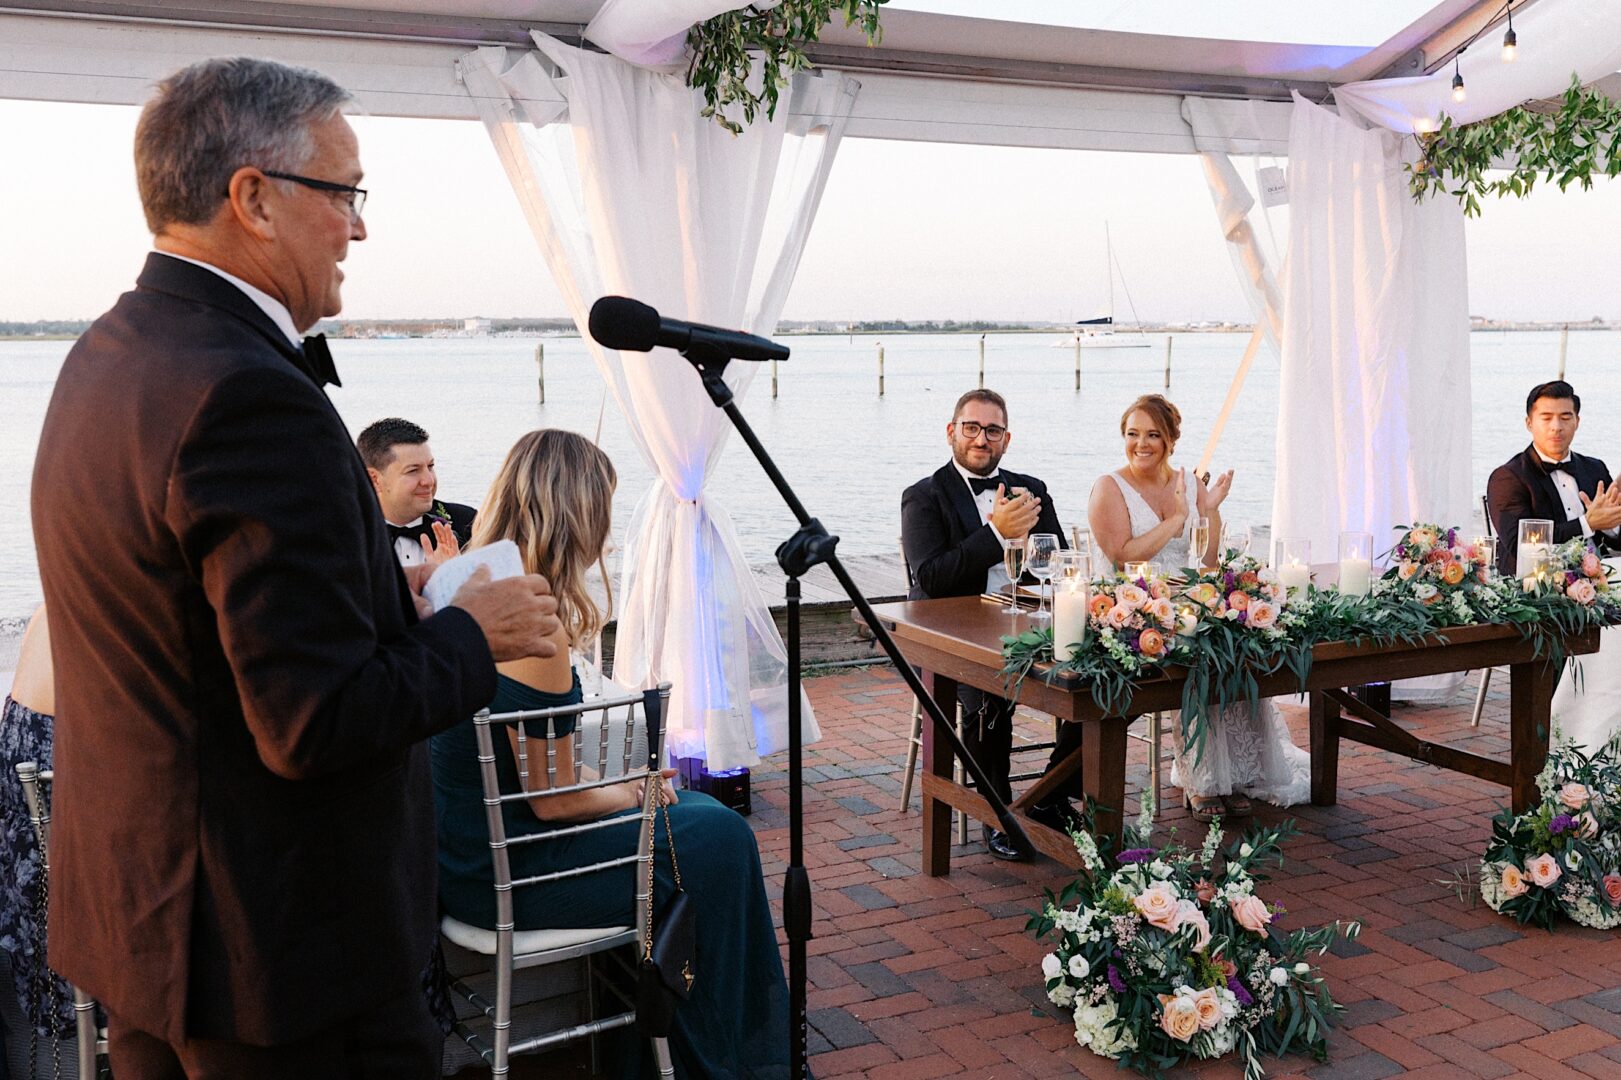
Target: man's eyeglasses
{"x": 971, "y": 430}
{"x": 354, "y": 196}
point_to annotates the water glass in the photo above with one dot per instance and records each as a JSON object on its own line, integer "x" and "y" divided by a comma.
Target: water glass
{"x": 1040, "y": 551}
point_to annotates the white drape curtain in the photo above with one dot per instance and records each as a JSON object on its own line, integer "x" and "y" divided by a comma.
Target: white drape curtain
{"x": 629, "y": 191}
{"x": 1373, "y": 423}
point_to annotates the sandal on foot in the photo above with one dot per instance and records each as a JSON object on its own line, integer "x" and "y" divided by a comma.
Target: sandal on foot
{"x": 1205, "y": 808}
{"x": 1237, "y": 805}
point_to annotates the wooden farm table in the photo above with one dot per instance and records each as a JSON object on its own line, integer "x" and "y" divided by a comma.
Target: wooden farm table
{"x": 959, "y": 640}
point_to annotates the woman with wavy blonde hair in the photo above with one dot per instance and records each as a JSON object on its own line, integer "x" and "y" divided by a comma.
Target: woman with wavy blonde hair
{"x": 553, "y": 497}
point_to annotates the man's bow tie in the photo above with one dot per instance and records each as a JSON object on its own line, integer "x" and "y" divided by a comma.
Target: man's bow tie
{"x": 1551, "y": 467}
{"x": 413, "y": 533}
{"x": 318, "y": 361}
{"x": 981, "y": 484}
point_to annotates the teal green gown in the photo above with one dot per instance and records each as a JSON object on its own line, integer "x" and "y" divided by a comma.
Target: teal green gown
{"x": 735, "y": 1024}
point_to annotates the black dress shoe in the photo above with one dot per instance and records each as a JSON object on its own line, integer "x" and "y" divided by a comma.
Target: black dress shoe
{"x": 1001, "y": 847}
{"x": 1059, "y": 815}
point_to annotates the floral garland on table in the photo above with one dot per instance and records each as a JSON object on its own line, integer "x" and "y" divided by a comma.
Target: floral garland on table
{"x": 1231, "y": 625}
{"x": 1174, "y": 956}
{"x": 1563, "y": 857}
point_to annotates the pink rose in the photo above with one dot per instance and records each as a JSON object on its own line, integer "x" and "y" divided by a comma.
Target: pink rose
{"x": 1157, "y": 905}
{"x": 1542, "y": 870}
{"x": 1581, "y": 590}
{"x": 1188, "y": 914}
{"x": 1159, "y": 589}
{"x": 1514, "y": 882}
{"x": 1263, "y": 614}
{"x": 1238, "y": 601}
{"x": 1252, "y": 914}
{"x": 1179, "y": 1017}
{"x": 1130, "y": 596}
{"x": 1574, "y": 796}
{"x": 1162, "y": 610}
{"x": 1209, "y": 1008}
{"x": 1118, "y": 616}
{"x": 1407, "y": 570}
{"x": 1591, "y": 565}
{"x": 1612, "y": 889}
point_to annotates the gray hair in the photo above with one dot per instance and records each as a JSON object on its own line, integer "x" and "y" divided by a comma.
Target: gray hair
{"x": 217, "y": 116}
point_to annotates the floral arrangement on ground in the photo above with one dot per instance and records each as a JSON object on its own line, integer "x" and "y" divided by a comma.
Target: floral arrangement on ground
{"x": 1175, "y": 955}
{"x": 1230, "y": 625}
{"x": 1564, "y": 856}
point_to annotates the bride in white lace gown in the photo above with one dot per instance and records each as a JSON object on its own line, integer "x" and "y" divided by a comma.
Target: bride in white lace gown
{"x": 1140, "y": 514}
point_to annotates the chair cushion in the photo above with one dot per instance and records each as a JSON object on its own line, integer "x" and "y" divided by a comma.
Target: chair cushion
{"x": 479, "y": 940}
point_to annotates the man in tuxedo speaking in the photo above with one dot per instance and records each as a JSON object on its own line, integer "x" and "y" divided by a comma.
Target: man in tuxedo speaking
{"x": 402, "y": 470}
{"x": 1547, "y": 481}
{"x": 955, "y": 525}
{"x": 242, "y": 850}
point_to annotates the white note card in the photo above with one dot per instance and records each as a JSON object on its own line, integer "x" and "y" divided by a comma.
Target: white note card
{"x": 501, "y": 557}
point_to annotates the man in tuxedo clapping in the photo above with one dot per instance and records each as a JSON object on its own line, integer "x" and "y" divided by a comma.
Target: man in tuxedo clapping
{"x": 402, "y": 470}
{"x": 1547, "y": 481}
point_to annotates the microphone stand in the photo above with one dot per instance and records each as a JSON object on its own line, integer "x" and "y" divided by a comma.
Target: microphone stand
{"x": 812, "y": 546}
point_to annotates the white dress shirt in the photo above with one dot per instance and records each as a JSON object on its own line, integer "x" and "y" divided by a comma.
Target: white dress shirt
{"x": 406, "y": 549}
{"x": 268, "y": 304}
{"x": 1570, "y": 495}
{"x": 996, "y": 579}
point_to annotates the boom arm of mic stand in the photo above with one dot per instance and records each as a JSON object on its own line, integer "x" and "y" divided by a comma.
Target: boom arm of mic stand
{"x": 711, "y": 368}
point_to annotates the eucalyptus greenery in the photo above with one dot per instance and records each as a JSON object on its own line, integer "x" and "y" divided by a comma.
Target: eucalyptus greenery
{"x": 722, "y": 63}
{"x": 1579, "y": 140}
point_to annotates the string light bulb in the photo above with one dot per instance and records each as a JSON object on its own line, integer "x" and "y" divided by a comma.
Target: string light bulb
{"x": 1511, "y": 43}
{"x": 1458, "y": 92}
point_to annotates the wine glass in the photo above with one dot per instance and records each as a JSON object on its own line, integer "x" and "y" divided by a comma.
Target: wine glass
{"x": 1013, "y": 563}
{"x": 1081, "y": 545}
{"x": 1039, "y": 552}
{"x": 1200, "y": 541}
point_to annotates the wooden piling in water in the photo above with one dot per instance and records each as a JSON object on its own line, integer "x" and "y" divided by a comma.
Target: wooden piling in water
{"x": 982, "y": 361}
{"x": 773, "y": 380}
{"x": 540, "y": 370}
{"x": 1167, "y": 361}
{"x": 880, "y": 369}
{"x": 1077, "y": 363}
{"x": 1564, "y": 344}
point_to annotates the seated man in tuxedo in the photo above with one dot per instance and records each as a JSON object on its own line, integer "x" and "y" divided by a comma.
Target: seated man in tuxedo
{"x": 954, "y": 526}
{"x": 401, "y": 468}
{"x": 1547, "y": 481}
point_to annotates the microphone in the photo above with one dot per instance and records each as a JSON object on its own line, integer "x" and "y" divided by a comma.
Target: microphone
{"x": 619, "y": 322}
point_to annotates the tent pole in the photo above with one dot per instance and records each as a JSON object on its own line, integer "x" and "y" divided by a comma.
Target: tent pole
{"x": 1250, "y": 350}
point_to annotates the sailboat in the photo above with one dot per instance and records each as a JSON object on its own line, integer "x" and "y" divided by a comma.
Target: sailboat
{"x": 1098, "y": 333}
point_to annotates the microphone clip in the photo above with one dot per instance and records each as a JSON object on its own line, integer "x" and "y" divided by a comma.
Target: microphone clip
{"x": 710, "y": 364}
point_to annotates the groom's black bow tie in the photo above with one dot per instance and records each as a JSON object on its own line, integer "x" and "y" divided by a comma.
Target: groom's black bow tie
{"x": 318, "y": 361}
{"x": 981, "y": 484}
{"x": 1551, "y": 467}
{"x": 413, "y": 533}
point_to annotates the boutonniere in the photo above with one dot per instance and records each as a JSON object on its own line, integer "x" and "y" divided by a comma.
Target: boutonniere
{"x": 438, "y": 514}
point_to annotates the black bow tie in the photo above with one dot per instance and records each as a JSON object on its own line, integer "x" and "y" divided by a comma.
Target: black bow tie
{"x": 413, "y": 533}
{"x": 1551, "y": 467}
{"x": 318, "y": 361}
{"x": 981, "y": 484}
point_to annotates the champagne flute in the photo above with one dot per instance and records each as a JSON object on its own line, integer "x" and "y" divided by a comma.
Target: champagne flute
{"x": 1013, "y": 563}
{"x": 1040, "y": 550}
{"x": 1200, "y": 541}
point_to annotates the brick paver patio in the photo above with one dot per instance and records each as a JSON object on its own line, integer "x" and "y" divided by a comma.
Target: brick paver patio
{"x": 913, "y": 976}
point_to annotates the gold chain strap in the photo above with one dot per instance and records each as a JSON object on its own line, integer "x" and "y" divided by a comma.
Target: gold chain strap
{"x": 647, "y": 946}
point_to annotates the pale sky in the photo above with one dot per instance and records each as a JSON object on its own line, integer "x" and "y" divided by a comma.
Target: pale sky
{"x": 906, "y": 230}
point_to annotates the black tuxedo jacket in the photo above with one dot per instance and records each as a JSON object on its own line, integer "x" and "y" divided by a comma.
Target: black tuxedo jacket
{"x": 461, "y": 522}
{"x": 947, "y": 547}
{"x": 1520, "y": 488}
{"x": 243, "y": 832}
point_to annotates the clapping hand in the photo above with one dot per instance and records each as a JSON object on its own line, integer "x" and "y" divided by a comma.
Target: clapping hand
{"x": 1216, "y": 493}
{"x": 442, "y": 548}
{"x": 1013, "y": 518}
{"x": 1179, "y": 501}
{"x": 1604, "y": 507}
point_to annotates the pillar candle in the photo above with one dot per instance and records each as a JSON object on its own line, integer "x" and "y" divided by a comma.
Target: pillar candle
{"x": 1356, "y": 577}
{"x": 1294, "y": 577}
{"x": 1069, "y": 618}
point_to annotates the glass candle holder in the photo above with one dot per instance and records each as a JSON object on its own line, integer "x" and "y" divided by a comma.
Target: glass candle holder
{"x": 1485, "y": 548}
{"x": 1137, "y": 570}
{"x": 1072, "y": 588}
{"x": 1535, "y": 542}
{"x": 1356, "y": 563}
{"x": 1293, "y": 564}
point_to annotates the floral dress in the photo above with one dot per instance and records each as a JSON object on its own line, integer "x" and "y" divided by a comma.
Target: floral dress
{"x": 1247, "y": 749}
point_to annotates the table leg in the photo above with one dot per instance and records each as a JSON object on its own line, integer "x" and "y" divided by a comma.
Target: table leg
{"x": 1325, "y": 749}
{"x": 1103, "y": 772}
{"x": 937, "y": 762}
{"x": 1530, "y": 702}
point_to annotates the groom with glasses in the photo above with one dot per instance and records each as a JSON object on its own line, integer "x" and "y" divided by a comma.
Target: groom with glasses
{"x": 955, "y": 526}
{"x": 1547, "y": 481}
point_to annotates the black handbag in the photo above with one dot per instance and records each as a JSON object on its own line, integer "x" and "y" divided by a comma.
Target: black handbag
{"x": 669, "y": 966}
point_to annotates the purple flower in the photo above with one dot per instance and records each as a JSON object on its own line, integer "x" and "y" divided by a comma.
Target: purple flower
{"x": 1136, "y": 854}
{"x": 1561, "y": 823}
{"x": 1230, "y": 580}
{"x": 1116, "y": 983}
{"x": 1570, "y": 577}
{"x": 1452, "y": 537}
{"x": 1239, "y": 992}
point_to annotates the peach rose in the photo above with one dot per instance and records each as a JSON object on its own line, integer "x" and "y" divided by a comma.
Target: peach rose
{"x": 1252, "y": 914}
{"x": 1612, "y": 889}
{"x": 1249, "y": 579}
{"x": 1542, "y": 870}
{"x": 1188, "y": 914}
{"x": 1099, "y": 605}
{"x": 1157, "y": 905}
{"x": 1151, "y": 643}
{"x": 1237, "y": 601}
{"x": 1406, "y": 570}
{"x": 1453, "y": 574}
{"x": 1162, "y": 610}
{"x": 1439, "y": 555}
{"x": 1574, "y": 796}
{"x": 1581, "y": 590}
{"x": 1263, "y": 614}
{"x": 1205, "y": 593}
{"x": 1118, "y": 616}
{"x": 1591, "y": 565}
{"x": 1130, "y": 596}
{"x": 1514, "y": 882}
{"x": 1179, "y": 1017}
{"x": 1209, "y": 1007}
{"x": 1423, "y": 537}
{"x": 1159, "y": 589}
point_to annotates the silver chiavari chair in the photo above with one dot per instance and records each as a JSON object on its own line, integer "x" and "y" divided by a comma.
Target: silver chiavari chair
{"x": 632, "y": 755}
{"x": 91, "y": 1038}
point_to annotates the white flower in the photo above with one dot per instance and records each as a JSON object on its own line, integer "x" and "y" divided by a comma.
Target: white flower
{"x": 1245, "y": 851}
{"x": 1092, "y": 1029}
{"x": 1051, "y": 966}
{"x": 1159, "y": 869}
{"x": 1078, "y": 967}
{"x": 1573, "y": 859}
{"x": 1302, "y": 968}
{"x": 1278, "y": 976}
{"x": 1062, "y": 995}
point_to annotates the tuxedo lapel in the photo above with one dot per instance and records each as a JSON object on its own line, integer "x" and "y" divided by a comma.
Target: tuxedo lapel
{"x": 1550, "y": 503}
{"x": 951, "y": 484}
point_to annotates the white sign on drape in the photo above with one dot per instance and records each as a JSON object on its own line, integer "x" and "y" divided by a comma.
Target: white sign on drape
{"x": 629, "y": 191}
{"x": 1373, "y": 416}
